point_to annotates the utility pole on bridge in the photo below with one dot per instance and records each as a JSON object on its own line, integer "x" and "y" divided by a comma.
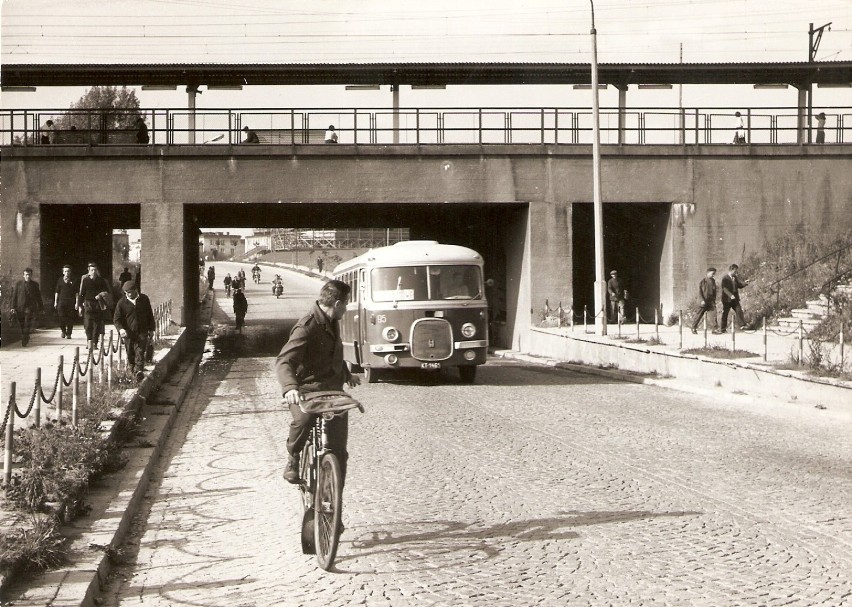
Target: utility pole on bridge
{"x": 813, "y": 45}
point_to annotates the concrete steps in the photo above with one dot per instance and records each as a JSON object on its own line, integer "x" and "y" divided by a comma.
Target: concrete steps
{"x": 811, "y": 315}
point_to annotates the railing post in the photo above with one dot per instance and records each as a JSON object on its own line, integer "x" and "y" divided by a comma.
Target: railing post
{"x": 765, "y": 342}
{"x": 355, "y": 126}
{"x": 657, "y": 323}
{"x": 90, "y": 363}
{"x": 842, "y": 362}
{"x": 61, "y": 387}
{"x": 704, "y": 320}
{"x": 637, "y": 322}
{"x": 111, "y": 360}
{"x": 37, "y": 409}
{"x": 10, "y": 433}
{"x": 480, "y": 126}
{"x": 75, "y": 392}
{"x": 734, "y": 335}
{"x": 585, "y": 318}
{"x": 801, "y": 343}
{"x": 680, "y": 330}
{"x": 417, "y": 125}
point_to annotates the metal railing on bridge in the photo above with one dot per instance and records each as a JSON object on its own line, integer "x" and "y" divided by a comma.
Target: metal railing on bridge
{"x": 422, "y": 126}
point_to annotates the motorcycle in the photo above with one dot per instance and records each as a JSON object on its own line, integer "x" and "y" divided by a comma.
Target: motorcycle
{"x": 278, "y": 289}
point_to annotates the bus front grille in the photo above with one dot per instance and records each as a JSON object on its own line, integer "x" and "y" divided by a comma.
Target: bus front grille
{"x": 431, "y": 339}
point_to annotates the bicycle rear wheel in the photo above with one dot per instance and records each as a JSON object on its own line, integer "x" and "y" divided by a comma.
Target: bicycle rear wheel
{"x": 328, "y": 510}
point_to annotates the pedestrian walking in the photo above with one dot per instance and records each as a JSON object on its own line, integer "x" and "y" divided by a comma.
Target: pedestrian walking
{"x": 312, "y": 361}
{"x": 124, "y": 277}
{"x": 240, "y": 307}
{"x": 26, "y": 305}
{"x": 731, "y": 285}
{"x": 134, "y": 319}
{"x": 64, "y": 302}
{"x": 707, "y": 293}
{"x": 211, "y": 277}
{"x": 615, "y": 291}
{"x": 91, "y": 304}
{"x": 227, "y": 281}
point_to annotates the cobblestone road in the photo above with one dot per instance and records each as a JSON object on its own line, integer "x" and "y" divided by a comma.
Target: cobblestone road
{"x": 535, "y": 486}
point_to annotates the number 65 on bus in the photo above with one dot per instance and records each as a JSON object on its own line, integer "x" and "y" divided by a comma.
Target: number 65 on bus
{"x": 415, "y": 305}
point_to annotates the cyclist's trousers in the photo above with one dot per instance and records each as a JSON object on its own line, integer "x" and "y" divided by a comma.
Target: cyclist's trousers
{"x": 337, "y": 430}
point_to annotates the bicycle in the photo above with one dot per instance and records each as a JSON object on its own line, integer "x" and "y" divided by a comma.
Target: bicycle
{"x": 321, "y": 485}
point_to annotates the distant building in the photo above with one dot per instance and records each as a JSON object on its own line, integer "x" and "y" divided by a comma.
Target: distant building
{"x": 219, "y": 246}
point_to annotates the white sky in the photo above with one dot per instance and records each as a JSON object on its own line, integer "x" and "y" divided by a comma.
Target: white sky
{"x": 283, "y": 31}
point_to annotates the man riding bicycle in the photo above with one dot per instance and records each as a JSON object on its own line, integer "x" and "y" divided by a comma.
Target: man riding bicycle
{"x": 255, "y": 273}
{"x": 312, "y": 361}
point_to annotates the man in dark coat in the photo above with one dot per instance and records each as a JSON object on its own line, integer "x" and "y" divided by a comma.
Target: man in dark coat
{"x": 64, "y": 302}
{"x": 707, "y": 293}
{"x": 240, "y": 307}
{"x": 731, "y": 285}
{"x": 312, "y": 361}
{"x": 26, "y": 304}
{"x": 615, "y": 290}
{"x": 92, "y": 285}
{"x": 134, "y": 319}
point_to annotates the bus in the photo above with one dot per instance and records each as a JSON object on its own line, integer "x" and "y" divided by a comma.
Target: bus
{"x": 415, "y": 304}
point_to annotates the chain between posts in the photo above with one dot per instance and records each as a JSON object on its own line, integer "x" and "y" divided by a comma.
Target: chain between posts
{"x": 162, "y": 318}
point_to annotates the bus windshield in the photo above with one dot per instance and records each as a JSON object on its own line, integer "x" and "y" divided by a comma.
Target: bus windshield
{"x": 426, "y": 283}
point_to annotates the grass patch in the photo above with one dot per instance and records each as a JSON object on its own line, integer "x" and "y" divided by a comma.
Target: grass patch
{"x": 720, "y": 352}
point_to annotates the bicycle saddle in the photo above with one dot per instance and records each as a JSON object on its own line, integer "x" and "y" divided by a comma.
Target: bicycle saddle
{"x": 330, "y": 401}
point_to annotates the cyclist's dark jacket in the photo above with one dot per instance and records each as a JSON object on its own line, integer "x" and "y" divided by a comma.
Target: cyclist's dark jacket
{"x": 312, "y": 359}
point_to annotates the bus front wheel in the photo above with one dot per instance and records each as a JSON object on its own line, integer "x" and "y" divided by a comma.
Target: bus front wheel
{"x": 371, "y": 375}
{"x": 467, "y": 374}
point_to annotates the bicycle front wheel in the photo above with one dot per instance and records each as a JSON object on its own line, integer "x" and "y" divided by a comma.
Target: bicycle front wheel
{"x": 328, "y": 510}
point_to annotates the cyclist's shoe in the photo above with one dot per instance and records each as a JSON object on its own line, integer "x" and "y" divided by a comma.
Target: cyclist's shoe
{"x": 291, "y": 472}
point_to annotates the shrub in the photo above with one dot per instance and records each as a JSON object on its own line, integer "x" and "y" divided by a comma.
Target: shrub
{"x": 32, "y": 549}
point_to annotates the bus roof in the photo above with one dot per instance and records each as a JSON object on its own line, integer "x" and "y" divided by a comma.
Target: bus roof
{"x": 413, "y": 252}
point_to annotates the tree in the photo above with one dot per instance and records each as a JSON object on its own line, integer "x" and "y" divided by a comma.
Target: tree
{"x": 104, "y": 114}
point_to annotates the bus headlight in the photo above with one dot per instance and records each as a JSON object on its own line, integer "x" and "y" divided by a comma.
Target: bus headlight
{"x": 468, "y": 330}
{"x": 469, "y": 354}
{"x": 390, "y": 334}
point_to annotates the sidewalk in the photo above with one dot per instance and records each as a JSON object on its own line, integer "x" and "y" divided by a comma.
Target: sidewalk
{"x": 19, "y": 364}
{"x": 758, "y": 370}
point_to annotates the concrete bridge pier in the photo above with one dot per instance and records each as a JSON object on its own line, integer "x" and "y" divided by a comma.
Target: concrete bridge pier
{"x": 170, "y": 258}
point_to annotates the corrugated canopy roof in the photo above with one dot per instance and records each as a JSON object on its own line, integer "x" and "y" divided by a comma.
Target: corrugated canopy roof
{"x": 616, "y": 74}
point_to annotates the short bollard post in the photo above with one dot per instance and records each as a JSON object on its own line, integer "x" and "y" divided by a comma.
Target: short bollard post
{"x": 61, "y": 387}
{"x": 585, "y": 319}
{"x": 680, "y": 330}
{"x": 704, "y": 319}
{"x": 10, "y": 432}
{"x": 734, "y": 337}
{"x": 656, "y": 324}
{"x": 559, "y": 313}
{"x": 842, "y": 361}
{"x": 75, "y": 392}
{"x": 765, "y": 343}
{"x": 37, "y": 409}
{"x": 801, "y": 344}
{"x": 101, "y": 362}
{"x": 637, "y": 323}
{"x": 109, "y": 366}
{"x": 90, "y": 364}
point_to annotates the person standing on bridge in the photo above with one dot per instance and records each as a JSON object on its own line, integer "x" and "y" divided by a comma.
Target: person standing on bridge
{"x": 64, "y": 300}
{"x": 312, "y": 361}
{"x": 739, "y": 129}
{"x": 26, "y": 304}
{"x": 134, "y": 319}
{"x": 251, "y": 136}
{"x": 47, "y": 133}
{"x": 141, "y": 131}
{"x": 707, "y": 292}
{"x": 330, "y": 134}
{"x": 92, "y": 285}
{"x": 820, "y": 128}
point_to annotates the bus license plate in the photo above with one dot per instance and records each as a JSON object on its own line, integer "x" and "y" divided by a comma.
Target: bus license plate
{"x": 430, "y": 365}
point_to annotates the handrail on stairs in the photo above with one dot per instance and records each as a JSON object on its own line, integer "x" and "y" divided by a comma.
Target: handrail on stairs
{"x": 828, "y": 285}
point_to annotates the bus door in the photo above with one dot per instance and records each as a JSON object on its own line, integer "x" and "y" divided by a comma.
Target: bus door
{"x": 361, "y": 331}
